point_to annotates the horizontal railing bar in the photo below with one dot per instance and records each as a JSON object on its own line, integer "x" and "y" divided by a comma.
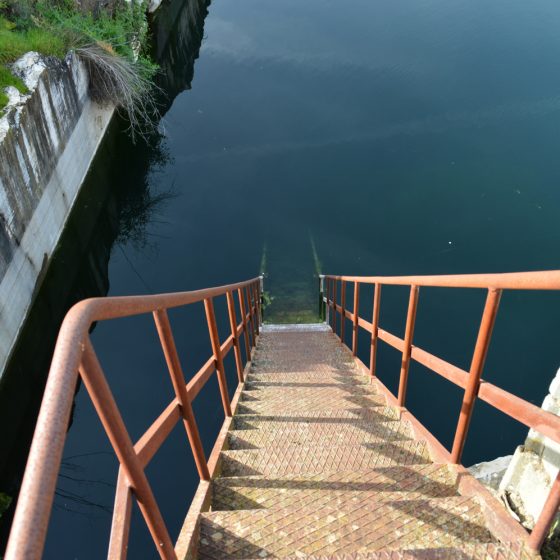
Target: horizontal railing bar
{"x": 365, "y": 324}
{"x": 521, "y": 410}
{"x": 227, "y": 345}
{"x": 349, "y": 315}
{"x": 147, "y": 446}
{"x": 35, "y": 500}
{"x": 150, "y": 442}
{"x": 391, "y": 339}
{"x": 447, "y": 370}
{"x": 452, "y": 373}
{"x": 200, "y": 378}
{"x": 532, "y": 416}
{"x": 536, "y": 280}
{"x": 100, "y": 309}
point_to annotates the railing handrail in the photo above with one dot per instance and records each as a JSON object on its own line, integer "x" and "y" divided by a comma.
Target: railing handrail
{"x": 73, "y": 352}
{"x": 471, "y": 381}
{"x": 534, "y": 280}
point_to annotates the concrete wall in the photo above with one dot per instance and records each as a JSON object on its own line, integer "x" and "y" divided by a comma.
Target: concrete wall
{"x": 48, "y": 139}
{"x": 522, "y": 481}
{"x": 534, "y": 467}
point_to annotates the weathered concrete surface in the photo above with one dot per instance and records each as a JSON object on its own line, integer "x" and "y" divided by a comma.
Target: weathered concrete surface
{"x": 534, "y": 466}
{"x": 47, "y": 141}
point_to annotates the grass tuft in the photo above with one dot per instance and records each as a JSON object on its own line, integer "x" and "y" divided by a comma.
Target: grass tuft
{"x": 109, "y": 42}
{"x": 14, "y": 43}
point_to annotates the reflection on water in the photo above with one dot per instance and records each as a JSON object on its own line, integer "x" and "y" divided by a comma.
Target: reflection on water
{"x": 382, "y": 138}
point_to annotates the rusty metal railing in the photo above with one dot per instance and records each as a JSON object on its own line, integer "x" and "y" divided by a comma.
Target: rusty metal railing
{"x": 474, "y": 386}
{"x": 74, "y": 355}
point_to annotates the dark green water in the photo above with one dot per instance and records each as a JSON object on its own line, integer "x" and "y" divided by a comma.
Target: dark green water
{"x": 395, "y": 138}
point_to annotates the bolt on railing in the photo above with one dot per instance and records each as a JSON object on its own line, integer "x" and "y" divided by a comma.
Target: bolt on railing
{"x": 471, "y": 382}
{"x": 74, "y": 355}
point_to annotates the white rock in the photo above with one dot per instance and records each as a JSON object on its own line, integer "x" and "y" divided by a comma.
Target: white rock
{"x": 554, "y": 388}
{"x": 550, "y": 404}
{"x": 29, "y": 68}
{"x": 490, "y": 473}
{"x": 154, "y": 5}
{"x": 14, "y": 95}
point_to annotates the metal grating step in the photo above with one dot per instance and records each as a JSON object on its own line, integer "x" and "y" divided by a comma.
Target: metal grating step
{"x": 339, "y": 489}
{"x": 325, "y": 435}
{"x": 306, "y": 392}
{"x": 295, "y": 327}
{"x": 312, "y": 528}
{"x": 327, "y": 400}
{"x": 289, "y": 420}
{"x": 490, "y": 551}
{"x": 312, "y": 459}
{"x": 303, "y": 378}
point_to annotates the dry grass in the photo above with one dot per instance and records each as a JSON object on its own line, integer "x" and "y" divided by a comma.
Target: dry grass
{"x": 122, "y": 82}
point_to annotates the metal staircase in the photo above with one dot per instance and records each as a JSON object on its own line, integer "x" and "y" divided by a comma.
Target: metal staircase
{"x": 316, "y": 457}
{"x": 319, "y": 466}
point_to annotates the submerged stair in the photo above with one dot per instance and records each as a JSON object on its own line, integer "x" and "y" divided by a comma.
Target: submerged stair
{"x": 317, "y": 465}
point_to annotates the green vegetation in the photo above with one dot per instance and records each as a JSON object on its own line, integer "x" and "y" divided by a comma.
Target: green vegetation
{"x": 551, "y": 547}
{"x": 111, "y": 42}
{"x": 8, "y": 79}
{"x": 15, "y": 42}
{"x": 5, "y": 502}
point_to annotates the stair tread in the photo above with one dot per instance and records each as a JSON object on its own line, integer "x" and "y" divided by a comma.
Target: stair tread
{"x": 304, "y": 378}
{"x": 323, "y": 529}
{"x": 312, "y": 459}
{"x": 469, "y": 551}
{"x": 338, "y": 488}
{"x": 320, "y": 434}
{"x": 325, "y": 400}
{"x": 282, "y": 420}
{"x": 256, "y": 392}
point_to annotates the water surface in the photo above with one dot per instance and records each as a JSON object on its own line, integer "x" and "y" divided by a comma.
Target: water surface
{"x": 365, "y": 138}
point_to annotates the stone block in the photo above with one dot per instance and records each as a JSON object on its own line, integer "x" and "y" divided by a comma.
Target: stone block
{"x": 554, "y": 388}
{"x": 526, "y": 483}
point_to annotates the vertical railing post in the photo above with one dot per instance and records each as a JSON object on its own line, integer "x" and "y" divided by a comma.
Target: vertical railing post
{"x": 334, "y": 305}
{"x": 257, "y": 300}
{"x": 356, "y": 318}
{"x": 179, "y": 385}
{"x": 408, "y": 336}
{"x": 244, "y": 320}
{"x": 251, "y": 319}
{"x": 322, "y": 297}
{"x": 475, "y": 372}
{"x": 110, "y": 417}
{"x": 120, "y": 524}
{"x": 217, "y": 350}
{"x": 261, "y": 297}
{"x": 328, "y": 302}
{"x": 342, "y": 309}
{"x": 546, "y": 518}
{"x": 374, "y": 329}
{"x": 233, "y": 324}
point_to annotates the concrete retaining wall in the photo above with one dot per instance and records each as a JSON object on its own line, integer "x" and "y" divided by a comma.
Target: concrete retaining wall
{"x": 534, "y": 467}
{"x": 48, "y": 139}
